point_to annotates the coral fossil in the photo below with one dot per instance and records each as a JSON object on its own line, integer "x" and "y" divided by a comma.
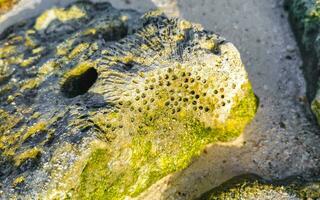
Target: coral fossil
{"x": 98, "y": 103}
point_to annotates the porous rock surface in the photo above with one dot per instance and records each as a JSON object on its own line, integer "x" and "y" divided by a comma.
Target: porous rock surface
{"x": 305, "y": 20}
{"x": 253, "y": 187}
{"x": 102, "y": 103}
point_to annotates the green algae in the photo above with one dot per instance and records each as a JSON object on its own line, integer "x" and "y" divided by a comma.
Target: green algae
{"x": 152, "y": 152}
{"x": 315, "y": 107}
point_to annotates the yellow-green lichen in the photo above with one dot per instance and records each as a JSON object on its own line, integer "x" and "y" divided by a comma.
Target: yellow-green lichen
{"x": 26, "y": 155}
{"x": 47, "y": 68}
{"x": 34, "y": 129}
{"x": 30, "y": 84}
{"x": 18, "y": 181}
{"x": 7, "y": 139}
{"x": 29, "y": 61}
{"x": 7, "y": 51}
{"x": 79, "y": 69}
{"x": 38, "y": 50}
{"x": 63, "y": 48}
{"x": 60, "y": 14}
{"x": 78, "y": 49}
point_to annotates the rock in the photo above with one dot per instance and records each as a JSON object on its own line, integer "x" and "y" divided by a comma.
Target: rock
{"x": 99, "y": 103}
{"x": 253, "y": 187}
{"x": 315, "y": 106}
{"x": 305, "y": 19}
{"x": 6, "y": 5}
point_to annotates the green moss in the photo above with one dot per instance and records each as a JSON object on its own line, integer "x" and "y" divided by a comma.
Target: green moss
{"x": 94, "y": 179}
{"x": 242, "y": 113}
{"x": 315, "y": 107}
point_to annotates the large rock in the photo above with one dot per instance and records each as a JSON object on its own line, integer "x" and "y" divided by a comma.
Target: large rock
{"x": 98, "y": 103}
{"x": 305, "y": 20}
{"x": 253, "y": 187}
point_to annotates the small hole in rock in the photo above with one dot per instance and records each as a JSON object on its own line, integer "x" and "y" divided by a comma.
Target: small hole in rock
{"x": 80, "y": 84}
{"x": 115, "y": 33}
{"x": 128, "y": 66}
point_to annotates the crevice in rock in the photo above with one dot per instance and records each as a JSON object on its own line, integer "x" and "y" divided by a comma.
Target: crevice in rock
{"x": 79, "y": 85}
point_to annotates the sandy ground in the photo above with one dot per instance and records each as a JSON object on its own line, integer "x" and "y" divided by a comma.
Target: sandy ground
{"x": 283, "y": 139}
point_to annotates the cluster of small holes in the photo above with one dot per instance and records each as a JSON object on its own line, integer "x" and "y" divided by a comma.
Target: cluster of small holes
{"x": 177, "y": 89}
{"x": 184, "y": 89}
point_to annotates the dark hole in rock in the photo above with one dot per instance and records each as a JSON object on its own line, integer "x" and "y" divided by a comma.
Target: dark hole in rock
{"x": 115, "y": 34}
{"x": 79, "y": 85}
{"x": 128, "y": 66}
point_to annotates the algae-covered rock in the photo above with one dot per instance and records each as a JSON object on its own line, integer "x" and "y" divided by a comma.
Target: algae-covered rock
{"x": 99, "y": 103}
{"x": 305, "y": 20}
{"x": 253, "y": 187}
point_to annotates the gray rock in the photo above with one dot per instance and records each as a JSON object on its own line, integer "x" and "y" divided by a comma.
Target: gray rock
{"x": 305, "y": 20}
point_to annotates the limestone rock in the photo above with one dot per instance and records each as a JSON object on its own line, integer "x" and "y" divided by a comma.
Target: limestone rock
{"x": 99, "y": 103}
{"x": 305, "y": 20}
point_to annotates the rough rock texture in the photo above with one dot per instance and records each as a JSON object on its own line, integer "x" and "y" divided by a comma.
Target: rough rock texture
{"x": 305, "y": 19}
{"x": 6, "y": 5}
{"x": 252, "y": 187}
{"x": 99, "y": 103}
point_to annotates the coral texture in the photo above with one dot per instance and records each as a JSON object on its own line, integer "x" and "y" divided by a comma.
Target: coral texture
{"x": 99, "y": 103}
